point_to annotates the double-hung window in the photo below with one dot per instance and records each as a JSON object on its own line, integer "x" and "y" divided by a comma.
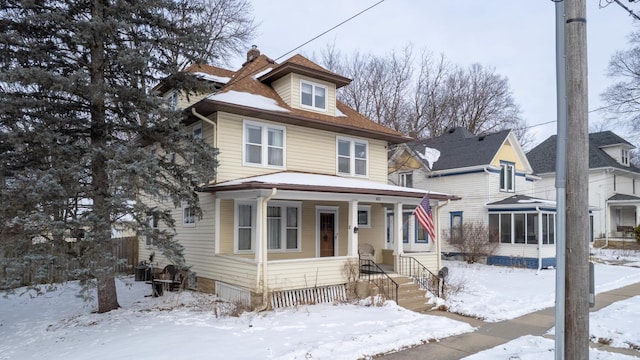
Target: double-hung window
{"x": 264, "y": 144}
{"x": 352, "y": 156}
{"x": 172, "y": 100}
{"x": 625, "y": 157}
{"x": 188, "y": 216}
{"x": 364, "y": 216}
{"x": 406, "y": 179}
{"x": 283, "y": 227}
{"x": 507, "y": 176}
{"x": 313, "y": 95}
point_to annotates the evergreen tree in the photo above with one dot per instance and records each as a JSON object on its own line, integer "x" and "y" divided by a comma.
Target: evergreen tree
{"x": 77, "y": 116}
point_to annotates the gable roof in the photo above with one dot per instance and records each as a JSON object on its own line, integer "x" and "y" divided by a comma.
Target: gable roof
{"x": 253, "y": 80}
{"x": 543, "y": 156}
{"x": 461, "y": 149}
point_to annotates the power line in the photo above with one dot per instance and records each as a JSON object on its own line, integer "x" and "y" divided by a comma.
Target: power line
{"x": 335, "y": 27}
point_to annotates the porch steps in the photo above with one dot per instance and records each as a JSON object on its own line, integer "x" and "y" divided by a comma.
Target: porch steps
{"x": 410, "y": 296}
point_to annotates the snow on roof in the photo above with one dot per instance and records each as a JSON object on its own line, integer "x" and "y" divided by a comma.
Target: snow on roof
{"x": 340, "y": 113}
{"x": 293, "y": 178}
{"x": 214, "y": 78}
{"x": 248, "y": 99}
{"x": 430, "y": 155}
{"x": 537, "y": 201}
{"x": 263, "y": 72}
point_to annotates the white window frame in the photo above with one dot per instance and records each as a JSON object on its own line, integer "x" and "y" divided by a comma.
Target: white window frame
{"x": 172, "y": 100}
{"x": 352, "y": 157}
{"x": 264, "y": 145}
{"x": 625, "y": 156}
{"x": 313, "y": 95}
{"x": 504, "y": 176}
{"x": 188, "y": 221}
{"x": 237, "y": 226}
{"x": 197, "y": 132}
{"x": 283, "y": 228}
{"x": 367, "y": 209}
{"x": 402, "y": 179}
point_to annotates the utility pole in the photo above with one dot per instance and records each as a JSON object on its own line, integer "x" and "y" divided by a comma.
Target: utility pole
{"x": 577, "y": 205}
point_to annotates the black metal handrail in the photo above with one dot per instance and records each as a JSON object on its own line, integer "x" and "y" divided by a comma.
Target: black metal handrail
{"x": 410, "y": 266}
{"x": 373, "y": 273}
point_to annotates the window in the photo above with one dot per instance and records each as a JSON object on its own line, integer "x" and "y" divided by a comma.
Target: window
{"x": 522, "y": 228}
{"x": 405, "y": 227}
{"x": 188, "y": 217}
{"x": 172, "y": 100}
{"x": 364, "y": 216}
{"x": 352, "y": 157}
{"x": 633, "y": 185}
{"x": 456, "y": 227}
{"x": 283, "y": 227}
{"x": 507, "y": 176}
{"x": 197, "y": 132}
{"x": 406, "y": 179}
{"x": 494, "y": 227}
{"x": 154, "y": 220}
{"x": 421, "y": 235}
{"x": 625, "y": 157}
{"x": 505, "y": 228}
{"x": 313, "y": 95}
{"x": 518, "y": 228}
{"x": 614, "y": 182}
{"x": 263, "y": 144}
{"x": 548, "y": 229}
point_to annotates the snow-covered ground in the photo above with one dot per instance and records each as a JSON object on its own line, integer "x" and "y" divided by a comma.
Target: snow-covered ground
{"x": 59, "y": 325}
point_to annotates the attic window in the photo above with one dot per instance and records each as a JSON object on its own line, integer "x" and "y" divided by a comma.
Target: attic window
{"x": 313, "y": 95}
{"x": 625, "y": 157}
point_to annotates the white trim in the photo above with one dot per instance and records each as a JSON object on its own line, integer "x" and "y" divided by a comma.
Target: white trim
{"x": 236, "y": 204}
{"x": 283, "y": 231}
{"x": 366, "y": 208}
{"x": 192, "y": 223}
{"x": 313, "y": 106}
{"x": 335, "y": 210}
{"x": 352, "y": 156}
{"x": 264, "y": 145}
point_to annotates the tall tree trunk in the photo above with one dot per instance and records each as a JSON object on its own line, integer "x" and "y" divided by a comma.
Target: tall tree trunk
{"x": 107, "y": 296}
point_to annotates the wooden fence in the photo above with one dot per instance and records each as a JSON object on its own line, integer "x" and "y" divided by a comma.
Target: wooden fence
{"x": 21, "y": 272}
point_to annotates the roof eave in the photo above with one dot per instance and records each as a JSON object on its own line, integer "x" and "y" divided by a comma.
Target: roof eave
{"x": 285, "y": 69}
{"x": 208, "y": 106}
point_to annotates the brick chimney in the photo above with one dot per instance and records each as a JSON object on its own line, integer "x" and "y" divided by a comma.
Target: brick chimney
{"x": 253, "y": 53}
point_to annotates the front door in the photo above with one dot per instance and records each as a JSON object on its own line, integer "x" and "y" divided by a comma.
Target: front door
{"x": 327, "y": 233}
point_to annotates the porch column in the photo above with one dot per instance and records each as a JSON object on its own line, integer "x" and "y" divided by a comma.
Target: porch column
{"x": 259, "y": 240}
{"x": 352, "y": 243}
{"x": 637, "y": 216}
{"x": 397, "y": 230}
{"x": 438, "y": 240}
{"x": 539, "y": 239}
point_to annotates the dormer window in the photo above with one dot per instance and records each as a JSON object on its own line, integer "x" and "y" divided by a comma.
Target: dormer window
{"x": 625, "y": 157}
{"x": 172, "y": 100}
{"x": 313, "y": 95}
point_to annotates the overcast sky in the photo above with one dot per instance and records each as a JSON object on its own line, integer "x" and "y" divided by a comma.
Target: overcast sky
{"x": 516, "y": 37}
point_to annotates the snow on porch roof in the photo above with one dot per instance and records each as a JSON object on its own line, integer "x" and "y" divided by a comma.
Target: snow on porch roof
{"x": 323, "y": 183}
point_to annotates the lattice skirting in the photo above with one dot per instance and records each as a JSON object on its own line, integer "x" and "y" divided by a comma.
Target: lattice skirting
{"x": 325, "y": 294}
{"x": 233, "y": 294}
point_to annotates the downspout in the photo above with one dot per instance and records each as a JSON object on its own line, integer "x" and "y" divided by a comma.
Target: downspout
{"x": 263, "y": 234}
{"x": 439, "y": 243}
{"x": 215, "y": 132}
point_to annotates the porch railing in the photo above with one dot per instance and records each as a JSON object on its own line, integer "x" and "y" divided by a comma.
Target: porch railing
{"x": 371, "y": 272}
{"x": 426, "y": 279}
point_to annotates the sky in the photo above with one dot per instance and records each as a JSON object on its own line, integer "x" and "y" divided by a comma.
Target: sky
{"x": 515, "y": 37}
{"x": 177, "y": 325}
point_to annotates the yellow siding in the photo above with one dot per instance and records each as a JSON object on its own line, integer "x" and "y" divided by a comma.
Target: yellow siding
{"x": 508, "y": 153}
{"x": 404, "y": 162}
{"x": 295, "y": 94}
{"x": 283, "y": 87}
{"x": 227, "y": 211}
{"x": 429, "y": 260}
{"x": 297, "y": 274}
{"x": 308, "y": 150}
{"x": 234, "y": 270}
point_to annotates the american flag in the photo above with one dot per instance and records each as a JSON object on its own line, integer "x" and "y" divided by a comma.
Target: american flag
{"x": 425, "y": 218}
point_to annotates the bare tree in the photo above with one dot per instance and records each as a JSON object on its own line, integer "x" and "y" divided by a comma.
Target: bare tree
{"x": 623, "y": 97}
{"x": 427, "y": 99}
{"x": 472, "y": 240}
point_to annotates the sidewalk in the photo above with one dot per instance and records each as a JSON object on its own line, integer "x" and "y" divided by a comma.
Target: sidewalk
{"x": 489, "y": 335}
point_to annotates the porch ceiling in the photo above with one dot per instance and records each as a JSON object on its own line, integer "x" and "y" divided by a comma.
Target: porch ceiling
{"x": 324, "y": 185}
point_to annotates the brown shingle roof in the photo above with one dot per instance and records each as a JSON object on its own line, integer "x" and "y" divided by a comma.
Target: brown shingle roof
{"x": 352, "y": 123}
{"x": 209, "y": 69}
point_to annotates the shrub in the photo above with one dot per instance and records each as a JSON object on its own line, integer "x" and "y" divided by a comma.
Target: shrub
{"x": 472, "y": 240}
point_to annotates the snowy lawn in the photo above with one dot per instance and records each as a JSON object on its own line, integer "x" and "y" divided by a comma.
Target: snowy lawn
{"x": 497, "y": 293}
{"x": 58, "y": 325}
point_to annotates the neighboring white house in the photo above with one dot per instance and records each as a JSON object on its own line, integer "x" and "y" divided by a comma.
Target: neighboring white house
{"x": 614, "y": 183}
{"x": 492, "y": 175}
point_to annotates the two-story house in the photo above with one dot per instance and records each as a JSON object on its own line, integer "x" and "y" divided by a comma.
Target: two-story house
{"x": 301, "y": 182}
{"x": 614, "y": 183}
{"x": 493, "y": 177}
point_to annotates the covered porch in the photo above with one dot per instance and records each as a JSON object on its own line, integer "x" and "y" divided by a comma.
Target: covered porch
{"x": 294, "y": 231}
{"x": 623, "y": 215}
